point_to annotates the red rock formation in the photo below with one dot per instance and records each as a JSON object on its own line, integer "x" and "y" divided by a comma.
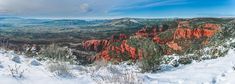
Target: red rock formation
{"x": 144, "y": 32}
{"x": 182, "y": 32}
{"x": 208, "y": 33}
{"x": 98, "y": 45}
{"x": 157, "y": 39}
{"x": 208, "y": 30}
{"x": 183, "y": 24}
{"x": 95, "y": 45}
{"x": 123, "y": 48}
{"x": 188, "y": 33}
{"x": 211, "y": 26}
{"x": 123, "y": 36}
{"x": 115, "y": 38}
{"x": 173, "y": 46}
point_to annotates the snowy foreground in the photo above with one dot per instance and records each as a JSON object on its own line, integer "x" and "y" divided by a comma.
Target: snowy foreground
{"x": 215, "y": 71}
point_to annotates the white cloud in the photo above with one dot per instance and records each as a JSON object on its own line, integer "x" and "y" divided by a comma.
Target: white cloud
{"x": 59, "y": 8}
{"x": 73, "y": 8}
{"x": 1, "y": 9}
{"x": 85, "y": 7}
{"x": 151, "y": 3}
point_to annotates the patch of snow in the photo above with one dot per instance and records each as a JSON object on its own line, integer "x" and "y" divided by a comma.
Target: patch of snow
{"x": 16, "y": 58}
{"x": 214, "y": 71}
{"x": 1, "y": 66}
{"x": 34, "y": 74}
{"x": 117, "y": 74}
{"x": 35, "y": 62}
{"x": 205, "y": 72}
{"x": 133, "y": 20}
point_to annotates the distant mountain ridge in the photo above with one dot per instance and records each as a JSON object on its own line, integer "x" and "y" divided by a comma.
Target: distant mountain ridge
{"x": 77, "y": 22}
{"x": 22, "y": 22}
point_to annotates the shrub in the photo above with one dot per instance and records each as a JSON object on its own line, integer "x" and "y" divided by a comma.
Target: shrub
{"x": 16, "y": 71}
{"x": 126, "y": 78}
{"x": 1, "y": 66}
{"x": 234, "y": 67}
{"x": 167, "y": 34}
{"x": 100, "y": 63}
{"x": 60, "y": 69}
{"x": 152, "y": 54}
{"x": 56, "y": 53}
{"x": 152, "y": 57}
{"x": 114, "y": 74}
{"x": 185, "y": 60}
{"x": 228, "y": 31}
{"x": 210, "y": 52}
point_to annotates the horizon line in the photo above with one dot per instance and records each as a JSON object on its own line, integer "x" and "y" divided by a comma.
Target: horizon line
{"x": 103, "y": 18}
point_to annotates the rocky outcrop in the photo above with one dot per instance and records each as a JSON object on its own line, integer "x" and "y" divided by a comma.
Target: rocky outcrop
{"x": 207, "y": 30}
{"x": 99, "y": 45}
{"x": 118, "y": 48}
{"x": 118, "y": 51}
{"x": 96, "y": 45}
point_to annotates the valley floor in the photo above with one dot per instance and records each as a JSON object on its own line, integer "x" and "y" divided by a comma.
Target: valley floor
{"x": 215, "y": 71}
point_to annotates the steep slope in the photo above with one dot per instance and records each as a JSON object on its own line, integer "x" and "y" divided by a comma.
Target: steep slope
{"x": 171, "y": 40}
{"x": 215, "y": 71}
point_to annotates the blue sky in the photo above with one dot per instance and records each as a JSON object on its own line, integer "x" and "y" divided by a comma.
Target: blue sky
{"x": 117, "y": 8}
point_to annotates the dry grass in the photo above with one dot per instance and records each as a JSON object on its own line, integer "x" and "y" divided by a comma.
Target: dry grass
{"x": 16, "y": 71}
{"x": 56, "y": 53}
{"x": 112, "y": 74}
{"x": 60, "y": 69}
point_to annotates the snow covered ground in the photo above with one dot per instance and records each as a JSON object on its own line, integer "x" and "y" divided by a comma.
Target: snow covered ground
{"x": 215, "y": 71}
{"x": 32, "y": 74}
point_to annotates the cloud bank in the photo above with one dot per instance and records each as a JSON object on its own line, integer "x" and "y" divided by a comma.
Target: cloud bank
{"x": 111, "y": 8}
{"x": 58, "y": 8}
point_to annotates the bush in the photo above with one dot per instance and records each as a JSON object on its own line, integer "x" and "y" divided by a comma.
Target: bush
{"x": 152, "y": 54}
{"x": 234, "y": 67}
{"x": 56, "y": 53}
{"x": 126, "y": 78}
{"x": 152, "y": 57}
{"x": 115, "y": 74}
{"x": 210, "y": 52}
{"x": 16, "y": 71}
{"x": 185, "y": 60}
{"x": 60, "y": 69}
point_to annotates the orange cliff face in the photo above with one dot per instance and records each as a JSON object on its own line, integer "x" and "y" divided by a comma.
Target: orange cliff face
{"x": 122, "y": 49}
{"x": 182, "y": 32}
{"x": 185, "y": 32}
{"x": 211, "y": 26}
{"x": 99, "y": 45}
{"x": 207, "y": 30}
{"x": 145, "y": 32}
{"x": 95, "y": 45}
{"x": 173, "y": 46}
